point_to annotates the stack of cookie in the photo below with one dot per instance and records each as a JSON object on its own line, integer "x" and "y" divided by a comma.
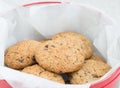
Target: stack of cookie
{"x": 66, "y": 53}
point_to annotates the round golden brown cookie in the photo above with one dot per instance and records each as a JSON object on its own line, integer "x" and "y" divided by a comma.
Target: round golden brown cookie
{"x": 87, "y": 49}
{"x": 39, "y": 71}
{"x": 90, "y": 71}
{"x": 60, "y": 55}
{"x": 97, "y": 58}
{"x": 21, "y": 54}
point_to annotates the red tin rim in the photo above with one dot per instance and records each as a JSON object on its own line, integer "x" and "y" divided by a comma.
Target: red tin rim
{"x": 104, "y": 82}
{"x": 107, "y": 81}
{"x": 37, "y": 3}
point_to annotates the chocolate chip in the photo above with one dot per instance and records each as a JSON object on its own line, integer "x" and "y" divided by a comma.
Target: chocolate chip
{"x": 33, "y": 58}
{"x": 21, "y": 60}
{"x": 95, "y": 76}
{"x": 46, "y": 46}
{"x": 28, "y": 57}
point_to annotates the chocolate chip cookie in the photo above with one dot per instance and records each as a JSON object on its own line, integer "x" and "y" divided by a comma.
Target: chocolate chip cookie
{"x": 90, "y": 71}
{"x": 39, "y": 71}
{"x": 87, "y": 49}
{"x": 60, "y": 55}
{"x": 21, "y": 54}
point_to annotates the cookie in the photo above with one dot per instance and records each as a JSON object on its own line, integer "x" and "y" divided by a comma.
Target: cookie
{"x": 97, "y": 58}
{"x": 60, "y": 55}
{"x": 90, "y": 71}
{"x": 86, "y": 46}
{"x": 39, "y": 71}
{"x": 34, "y": 69}
{"x": 52, "y": 76}
{"x": 21, "y": 54}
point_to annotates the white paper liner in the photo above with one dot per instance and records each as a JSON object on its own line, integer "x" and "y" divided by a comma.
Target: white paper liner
{"x": 42, "y": 21}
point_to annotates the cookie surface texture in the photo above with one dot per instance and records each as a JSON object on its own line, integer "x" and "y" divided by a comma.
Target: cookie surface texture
{"x": 39, "y": 71}
{"x": 21, "y": 54}
{"x": 61, "y": 55}
{"x": 97, "y": 58}
{"x": 52, "y": 76}
{"x": 90, "y": 71}
{"x": 34, "y": 69}
{"x": 87, "y": 49}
